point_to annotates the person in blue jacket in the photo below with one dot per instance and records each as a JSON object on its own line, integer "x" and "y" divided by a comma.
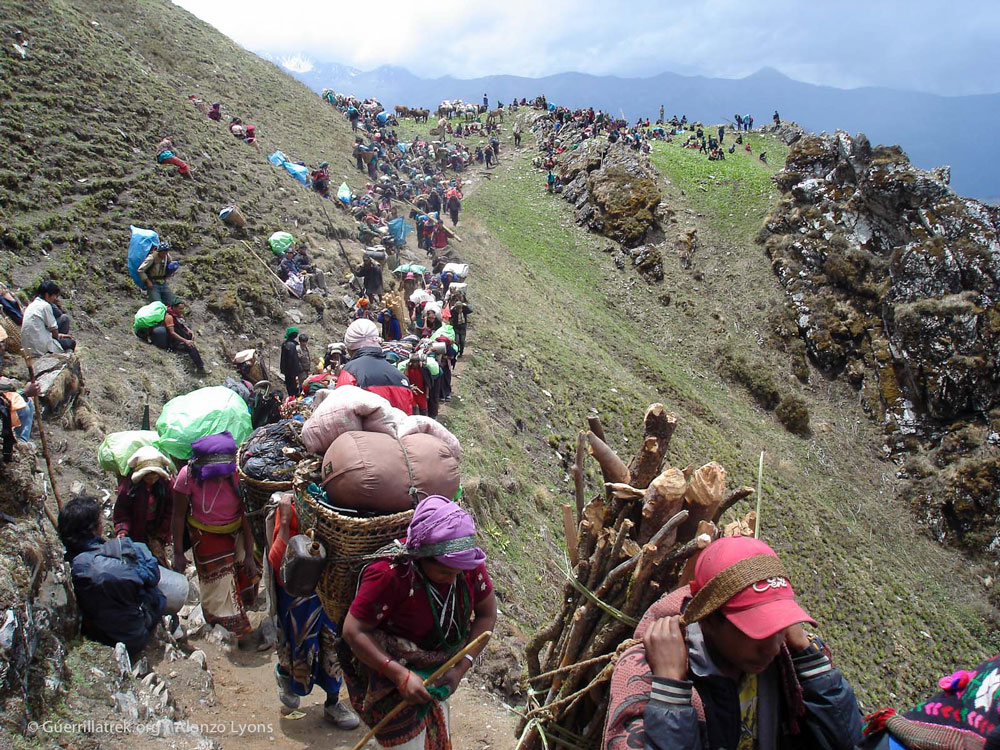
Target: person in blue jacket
{"x": 115, "y": 581}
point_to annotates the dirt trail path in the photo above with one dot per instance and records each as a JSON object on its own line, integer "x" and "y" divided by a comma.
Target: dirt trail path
{"x": 245, "y": 712}
{"x": 242, "y": 709}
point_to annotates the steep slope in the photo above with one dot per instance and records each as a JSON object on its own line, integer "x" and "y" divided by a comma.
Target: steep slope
{"x": 565, "y": 334}
{"x": 560, "y": 332}
{"x": 82, "y": 114}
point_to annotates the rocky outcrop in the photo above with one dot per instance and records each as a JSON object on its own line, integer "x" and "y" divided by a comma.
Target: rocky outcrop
{"x": 37, "y": 608}
{"x": 893, "y": 281}
{"x": 612, "y": 186}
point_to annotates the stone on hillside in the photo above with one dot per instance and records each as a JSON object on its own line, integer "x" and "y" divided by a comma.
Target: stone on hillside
{"x": 200, "y": 658}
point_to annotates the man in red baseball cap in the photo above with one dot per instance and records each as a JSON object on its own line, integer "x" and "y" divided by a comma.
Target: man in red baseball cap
{"x": 725, "y": 663}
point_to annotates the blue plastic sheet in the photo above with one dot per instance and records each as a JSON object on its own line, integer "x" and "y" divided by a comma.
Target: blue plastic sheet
{"x": 139, "y": 245}
{"x": 399, "y": 228}
{"x": 298, "y": 171}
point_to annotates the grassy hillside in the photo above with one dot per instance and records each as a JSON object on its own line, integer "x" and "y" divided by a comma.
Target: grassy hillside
{"x": 558, "y": 318}
{"x": 80, "y": 118}
{"x": 559, "y": 332}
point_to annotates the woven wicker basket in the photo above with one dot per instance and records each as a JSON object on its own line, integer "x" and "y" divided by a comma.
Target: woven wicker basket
{"x": 347, "y": 539}
{"x": 256, "y": 493}
{"x": 13, "y": 334}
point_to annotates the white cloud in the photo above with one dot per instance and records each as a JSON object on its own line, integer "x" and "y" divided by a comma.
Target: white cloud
{"x": 925, "y": 45}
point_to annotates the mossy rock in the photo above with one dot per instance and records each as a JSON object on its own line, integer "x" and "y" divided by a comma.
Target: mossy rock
{"x": 793, "y": 413}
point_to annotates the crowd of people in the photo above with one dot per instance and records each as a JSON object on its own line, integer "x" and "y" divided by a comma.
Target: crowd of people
{"x": 723, "y": 662}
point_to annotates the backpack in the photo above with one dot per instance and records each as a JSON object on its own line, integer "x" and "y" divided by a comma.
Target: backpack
{"x": 149, "y": 316}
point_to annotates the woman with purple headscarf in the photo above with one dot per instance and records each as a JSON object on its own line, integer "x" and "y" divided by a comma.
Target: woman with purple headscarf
{"x": 207, "y": 503}
{"x": 412, "y": 612}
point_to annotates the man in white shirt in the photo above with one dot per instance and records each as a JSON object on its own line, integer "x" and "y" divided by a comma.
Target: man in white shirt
{"x": 40, "y": 331}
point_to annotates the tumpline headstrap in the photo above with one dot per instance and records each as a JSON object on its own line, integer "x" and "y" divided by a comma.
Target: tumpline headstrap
{"x": 727, "y": 583}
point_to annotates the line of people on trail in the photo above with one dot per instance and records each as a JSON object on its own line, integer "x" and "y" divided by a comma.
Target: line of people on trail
{"x": 413, "y": 337}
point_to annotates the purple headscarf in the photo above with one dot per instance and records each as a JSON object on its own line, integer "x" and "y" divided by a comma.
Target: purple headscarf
{"x": 213, "y": 456}
{"x": 442, "y": 530}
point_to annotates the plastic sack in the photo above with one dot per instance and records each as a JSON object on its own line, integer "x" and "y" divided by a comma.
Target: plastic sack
{"x": 421, "y": 295}
{"x": 460, "y": 270}
{"x": 344, "y": 193}
{"x": 295, "y": 284}
{"x": 349, "y": 409}
{"x": 149, "y": 315}
{"x": 118, "y": 447}
{"x": 280, "y": 241}
{"x": 206, "y": 411}
{"x": 299, "y": 171}
{"x": 139, "y": 245}
{"x": 417, "y": 423}
{"x": 399, "y": 228}
{"x": 411, "y": 268}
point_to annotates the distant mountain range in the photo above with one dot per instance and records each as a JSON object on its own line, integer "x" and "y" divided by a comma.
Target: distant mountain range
{"x": 933, "y": 130}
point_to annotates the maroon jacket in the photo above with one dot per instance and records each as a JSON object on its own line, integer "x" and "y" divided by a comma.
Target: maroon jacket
{"x": 369, "y": 370}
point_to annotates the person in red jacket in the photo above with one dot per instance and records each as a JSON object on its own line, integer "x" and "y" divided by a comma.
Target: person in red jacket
{"x": 306, "y": 635}
{"x": 368, "y": 368}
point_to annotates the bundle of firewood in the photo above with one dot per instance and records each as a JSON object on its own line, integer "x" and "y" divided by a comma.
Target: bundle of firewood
{"x": 633, "y": 542}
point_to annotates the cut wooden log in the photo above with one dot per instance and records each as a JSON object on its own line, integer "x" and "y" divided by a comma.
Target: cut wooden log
{"x": 569, "y": 529}
{"x": 622, "y": 491}
{"x": 595, "y": 426}
{"x": 706, "y": 490}
{"x": 612, "y": 467}
{"x": 662, "y": 500}
{"x": 658, "y": 429}
{"x": 731, "y": 499}
{"x": 706, "y": 533}
{"x": 577, "y": 471}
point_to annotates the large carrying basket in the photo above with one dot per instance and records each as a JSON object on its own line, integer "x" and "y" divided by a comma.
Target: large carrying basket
{"x": 256, "y": 494}
{"x": 348, "y": 540}
{"x": 13, "y": 334}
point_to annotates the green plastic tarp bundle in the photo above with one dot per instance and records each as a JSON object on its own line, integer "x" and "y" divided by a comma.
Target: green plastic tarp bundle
{"x": 118, "y": 447}
{"x": 149, "y": 315}
{"x": 411, "y": 268}
{"x": 206, "y": 411}
{"x": 280, "y": 241}
{"x": 344, "y": 193}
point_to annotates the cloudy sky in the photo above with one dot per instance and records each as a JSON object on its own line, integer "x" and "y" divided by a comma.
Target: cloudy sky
{"x": 926, "y": 45}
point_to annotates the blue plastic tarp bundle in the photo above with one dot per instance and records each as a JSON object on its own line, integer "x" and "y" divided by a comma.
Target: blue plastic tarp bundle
{"x": 399, "y": 228}
{"x": 298, "y": 171}
{"x": 139, "y": 245}
{"x": 381, "y": 117}
{"x": 403, "y": 146}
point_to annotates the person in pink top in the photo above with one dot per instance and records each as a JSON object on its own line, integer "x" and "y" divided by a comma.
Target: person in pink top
{"x": 207, "y": 502}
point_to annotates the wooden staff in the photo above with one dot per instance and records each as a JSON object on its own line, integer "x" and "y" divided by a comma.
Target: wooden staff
{"x": 481, "y": 638}
{"x": 41, "y": 431}
{"x": 283, "y": 284}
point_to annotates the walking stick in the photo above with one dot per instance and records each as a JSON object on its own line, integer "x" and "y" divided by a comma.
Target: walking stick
{"x": 41, "y": 430}
{"x": 283, "y": 284}
{"x": 481, "y": 638}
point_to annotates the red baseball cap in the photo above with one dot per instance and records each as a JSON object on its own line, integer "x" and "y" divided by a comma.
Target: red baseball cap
{"x": 760, "y": 610}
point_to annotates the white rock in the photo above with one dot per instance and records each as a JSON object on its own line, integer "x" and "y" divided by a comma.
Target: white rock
{"x": 221, "y": 636}
{"x": 200, "y": 658}
{"x": 122, "y": 657}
